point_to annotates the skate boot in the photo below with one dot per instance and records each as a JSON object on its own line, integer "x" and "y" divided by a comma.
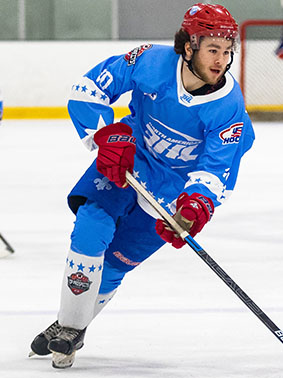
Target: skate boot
{"x": 65, "y": 345}
{"x": 40, "y": 343}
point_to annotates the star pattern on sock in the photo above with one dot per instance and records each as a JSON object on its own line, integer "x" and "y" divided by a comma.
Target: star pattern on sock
{"x": 81, "y": 267}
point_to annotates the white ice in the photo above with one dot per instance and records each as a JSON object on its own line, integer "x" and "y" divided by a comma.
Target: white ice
{"x": 172, "y": 317}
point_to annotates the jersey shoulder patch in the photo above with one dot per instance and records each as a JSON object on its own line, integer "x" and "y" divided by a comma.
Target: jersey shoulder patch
{"x": 132, "y": 56}
{"x": 232, "y": 133}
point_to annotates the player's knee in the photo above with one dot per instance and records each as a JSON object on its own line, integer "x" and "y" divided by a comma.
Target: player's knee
{"x": 93, "y": 230}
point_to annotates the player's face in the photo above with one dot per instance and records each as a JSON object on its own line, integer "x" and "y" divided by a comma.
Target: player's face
{"x": 211, "y": 59}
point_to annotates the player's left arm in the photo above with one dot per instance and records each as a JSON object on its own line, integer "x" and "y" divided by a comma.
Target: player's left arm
{"x": 212, "y": 181}
{"x": 217, "y": 169}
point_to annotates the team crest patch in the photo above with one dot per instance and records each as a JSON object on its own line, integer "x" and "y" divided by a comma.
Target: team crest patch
{"x": 232, "y": 134}
{"x": 135, "y": 53}
{"x": 78, "y": 283}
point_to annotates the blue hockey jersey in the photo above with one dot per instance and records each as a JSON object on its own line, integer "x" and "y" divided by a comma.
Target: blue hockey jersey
{"x": 184, "y": 142}
{"x": 1, "y": 107}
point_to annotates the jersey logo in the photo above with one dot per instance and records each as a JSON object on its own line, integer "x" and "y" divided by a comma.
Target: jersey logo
{"x": 158, "y": 141}
{"x": 186, "y": 98}
{"x": 232, "y": 134}
{"x": 132, "y": 56}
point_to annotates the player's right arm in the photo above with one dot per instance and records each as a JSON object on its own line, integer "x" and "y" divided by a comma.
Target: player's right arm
{"x": 91, "y": 97}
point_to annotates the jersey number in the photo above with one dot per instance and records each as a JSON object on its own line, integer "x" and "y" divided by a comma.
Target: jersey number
{"x": 104, "y": 79}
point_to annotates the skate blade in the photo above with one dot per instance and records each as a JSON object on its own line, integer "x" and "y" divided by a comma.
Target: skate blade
{"x": 31, "y": 353}
{"x": 62, "y": 361}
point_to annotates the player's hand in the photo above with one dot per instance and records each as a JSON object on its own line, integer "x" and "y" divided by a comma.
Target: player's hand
{"x": 192, "y": 213}
{"x": 116, "y": 152}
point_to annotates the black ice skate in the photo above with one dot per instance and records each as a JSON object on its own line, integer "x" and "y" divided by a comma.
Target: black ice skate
{"x": 40, "y": 343}
{"x": 65, "y": 345}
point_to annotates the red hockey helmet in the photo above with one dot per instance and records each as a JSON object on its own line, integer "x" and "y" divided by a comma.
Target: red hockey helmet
{"x": 209, "y": 20}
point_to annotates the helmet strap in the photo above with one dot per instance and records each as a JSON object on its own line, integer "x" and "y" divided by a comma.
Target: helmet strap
{"x": 190, "y": 64}
{"x": 230, "y": 63}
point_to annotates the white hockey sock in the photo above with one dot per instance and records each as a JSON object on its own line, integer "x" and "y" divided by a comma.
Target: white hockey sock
{"x": 80, "y": 287}
{"x": 102, "y": 300}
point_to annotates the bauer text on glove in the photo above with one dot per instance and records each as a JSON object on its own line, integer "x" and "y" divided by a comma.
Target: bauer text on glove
{"x": 116, "y": 152}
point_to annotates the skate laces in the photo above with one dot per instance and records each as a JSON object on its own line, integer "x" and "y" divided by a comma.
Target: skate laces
{"x": 69, "y": 334}
{"x": 52, "y": 330}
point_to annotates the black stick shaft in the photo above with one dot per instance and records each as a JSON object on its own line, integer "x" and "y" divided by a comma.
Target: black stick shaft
{"x": 277, "y": 332}
{"x": 8, "y": 246}
{"x": 235, "y": 288}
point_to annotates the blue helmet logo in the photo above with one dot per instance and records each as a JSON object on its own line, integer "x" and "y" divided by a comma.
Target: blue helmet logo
{"x": 194, "y": 10}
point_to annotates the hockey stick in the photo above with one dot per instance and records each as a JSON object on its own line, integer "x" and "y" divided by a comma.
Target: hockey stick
{"x": 205, "y": 257}
{"x": 5, "y": 247}
{"x": 279, "y": 50}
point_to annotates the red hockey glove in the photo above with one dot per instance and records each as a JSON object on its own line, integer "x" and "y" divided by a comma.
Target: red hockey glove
{"x": 192, "y": 213}
{"x": 116, "y": 152}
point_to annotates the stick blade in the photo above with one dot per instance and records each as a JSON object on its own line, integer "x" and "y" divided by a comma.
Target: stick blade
{"x": 5, "y": 248}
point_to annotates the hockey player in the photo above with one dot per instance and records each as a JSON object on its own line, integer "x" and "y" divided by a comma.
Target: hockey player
{"x": 1, "y": 107}
{"x": 184, "y": 139}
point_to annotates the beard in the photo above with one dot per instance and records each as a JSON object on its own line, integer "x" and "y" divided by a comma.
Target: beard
{"x": 204, "y": 72}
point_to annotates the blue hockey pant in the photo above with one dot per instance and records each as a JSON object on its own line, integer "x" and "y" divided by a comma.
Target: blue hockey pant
{"x": 125, "y": 240}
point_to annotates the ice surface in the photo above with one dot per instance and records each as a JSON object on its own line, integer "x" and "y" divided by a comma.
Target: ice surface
{"x": 172, "y": 317}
